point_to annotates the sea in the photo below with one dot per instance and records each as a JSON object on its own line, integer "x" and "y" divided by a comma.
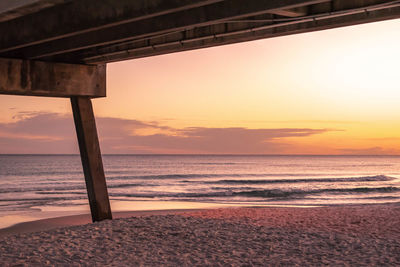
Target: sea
{"x": 34, "y": 183}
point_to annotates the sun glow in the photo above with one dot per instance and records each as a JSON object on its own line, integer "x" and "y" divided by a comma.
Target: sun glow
{"x": 344, "y": 81}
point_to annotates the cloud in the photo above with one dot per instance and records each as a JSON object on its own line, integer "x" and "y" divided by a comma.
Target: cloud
{"x": 55, "y": 133}
{"x": 51, "y": 125}
{"x": 38, "y": 133}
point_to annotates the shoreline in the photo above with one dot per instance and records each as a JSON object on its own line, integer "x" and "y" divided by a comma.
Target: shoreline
{"x": 49, "y": 223}
{"x": 41, "y": 213}
{"x": 78, "y": 220}
{"x": 80, "y": 214}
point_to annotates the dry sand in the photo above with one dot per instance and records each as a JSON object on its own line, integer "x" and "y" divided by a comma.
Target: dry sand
{"x": 336, "y": 236}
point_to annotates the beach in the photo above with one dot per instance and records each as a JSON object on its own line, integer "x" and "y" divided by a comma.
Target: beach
{"x": 362, "y": 235}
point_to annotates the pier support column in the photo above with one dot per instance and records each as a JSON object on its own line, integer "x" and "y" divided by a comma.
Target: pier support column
{"x": 91, "y": 158}
{"x": 80, "y": 83}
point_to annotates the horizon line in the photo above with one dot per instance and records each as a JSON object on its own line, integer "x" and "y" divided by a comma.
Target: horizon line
{"x": 200, "y": 154}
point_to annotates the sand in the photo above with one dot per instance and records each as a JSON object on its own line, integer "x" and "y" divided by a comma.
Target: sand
{"x": 336, "y": 236}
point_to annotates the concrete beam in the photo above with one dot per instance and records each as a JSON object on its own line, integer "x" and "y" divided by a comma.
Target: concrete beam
{"x": 80, "y": 17}
{"x": 177, "y": 21}
{"x": 292, "y": 13}
{"x": 35, "y": 78}
{"x": 11, "y": 9}
{"x": 216, "y": 35}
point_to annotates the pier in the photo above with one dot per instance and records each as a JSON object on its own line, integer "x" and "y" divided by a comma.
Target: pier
{"x": 60, "y": 48}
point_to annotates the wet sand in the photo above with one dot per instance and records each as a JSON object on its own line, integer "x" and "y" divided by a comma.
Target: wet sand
{"x": 351, "y": 235}
{"x": 80, "y": 219}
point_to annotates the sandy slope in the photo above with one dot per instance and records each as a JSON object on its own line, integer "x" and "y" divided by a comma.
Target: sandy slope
{"x": 363, "y": 235}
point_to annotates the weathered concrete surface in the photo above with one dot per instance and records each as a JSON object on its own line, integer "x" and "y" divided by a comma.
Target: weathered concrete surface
{"x": 11, "y": 9}
{"x": 101, "y": 31}
{"x": 219, "y": 34}
{"x": 35, "y": 78}
{"x": 92, "y": 163}
{"x": 194, "y": 17}
{"x": 79, "y": 17}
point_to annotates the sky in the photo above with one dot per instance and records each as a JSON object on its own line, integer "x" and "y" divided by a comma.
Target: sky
{"x": 328, "y": 92}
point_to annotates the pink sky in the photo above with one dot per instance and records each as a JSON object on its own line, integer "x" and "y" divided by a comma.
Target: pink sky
{"x": 327, "y": 92}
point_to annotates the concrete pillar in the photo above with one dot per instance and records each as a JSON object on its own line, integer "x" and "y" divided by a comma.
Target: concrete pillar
{"x": 91, "y": 158}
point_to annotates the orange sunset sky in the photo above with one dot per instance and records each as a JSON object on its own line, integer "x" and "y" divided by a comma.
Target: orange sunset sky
{"x": 329, "y": 92}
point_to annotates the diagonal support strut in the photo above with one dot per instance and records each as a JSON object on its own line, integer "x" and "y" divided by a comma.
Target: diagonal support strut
{"x": 91, "y": 158}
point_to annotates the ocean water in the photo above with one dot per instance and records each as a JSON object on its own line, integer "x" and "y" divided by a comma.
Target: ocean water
{"x": 33, "y": 181}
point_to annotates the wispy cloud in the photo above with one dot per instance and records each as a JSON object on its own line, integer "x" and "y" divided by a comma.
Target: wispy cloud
{"x": 54, "y": 133}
